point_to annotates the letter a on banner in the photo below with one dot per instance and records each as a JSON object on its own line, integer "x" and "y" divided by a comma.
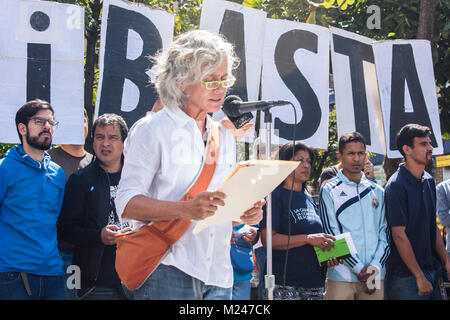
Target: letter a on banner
{"x": 296, "y": 68}
{"x": 358, "y": 105}
{"x": 407, "y": 89}
{"x": 41, "y": 57}
{"x": 130, "y": 34}
{"x": 244, "y": 28}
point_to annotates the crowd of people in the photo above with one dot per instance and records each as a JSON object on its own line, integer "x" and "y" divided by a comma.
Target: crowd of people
{"x": 66, "y": 208}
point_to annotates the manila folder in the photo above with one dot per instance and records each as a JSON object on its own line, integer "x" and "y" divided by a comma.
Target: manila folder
{"x": 249, "y": 182}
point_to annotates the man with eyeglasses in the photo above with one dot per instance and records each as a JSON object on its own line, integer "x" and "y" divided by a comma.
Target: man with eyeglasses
{"x": 31, "y": 194}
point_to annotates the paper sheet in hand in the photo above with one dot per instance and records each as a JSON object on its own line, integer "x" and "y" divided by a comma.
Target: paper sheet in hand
{"x": 344, "y": 248}
{"x": 248, "y": 183}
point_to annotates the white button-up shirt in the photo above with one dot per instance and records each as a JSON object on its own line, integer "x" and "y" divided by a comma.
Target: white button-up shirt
{"x": 163, "y": 156}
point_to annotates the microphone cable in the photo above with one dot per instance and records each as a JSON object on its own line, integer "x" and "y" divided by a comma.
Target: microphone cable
{"x": 290, "y": 199}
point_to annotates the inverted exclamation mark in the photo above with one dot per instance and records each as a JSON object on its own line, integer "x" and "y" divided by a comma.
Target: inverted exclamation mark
{"x": 39, "y": 61}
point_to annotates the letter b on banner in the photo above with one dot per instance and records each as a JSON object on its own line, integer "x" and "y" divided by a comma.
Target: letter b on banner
{"x": 119, "y": 68}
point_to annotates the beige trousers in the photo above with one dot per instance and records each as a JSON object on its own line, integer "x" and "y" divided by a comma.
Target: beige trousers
{"x": 338, "y": 290}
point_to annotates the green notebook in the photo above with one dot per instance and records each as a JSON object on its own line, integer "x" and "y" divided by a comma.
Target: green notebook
{"x": 344, "y": 248}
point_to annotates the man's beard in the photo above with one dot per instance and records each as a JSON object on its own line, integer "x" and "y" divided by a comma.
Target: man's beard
{"x": 35, "y": 143}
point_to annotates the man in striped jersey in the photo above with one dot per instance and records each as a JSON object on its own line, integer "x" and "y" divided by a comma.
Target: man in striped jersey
{"x": 351, "y": 203}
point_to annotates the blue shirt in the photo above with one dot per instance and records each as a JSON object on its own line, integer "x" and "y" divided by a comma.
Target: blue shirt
{"x": 357, "y": 208}
{"x": 236, "y": 275}
{"x": 303, "y": 268}
{"x": 31, "y": 194}
{"x": 443, "y": 208}
{"x": 411, "y": 203}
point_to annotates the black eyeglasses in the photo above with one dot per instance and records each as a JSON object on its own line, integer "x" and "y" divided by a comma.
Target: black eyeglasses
{"x": 41, "y": 122}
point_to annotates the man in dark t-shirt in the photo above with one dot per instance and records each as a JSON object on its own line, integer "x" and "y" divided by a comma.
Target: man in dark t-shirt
{"x": 418, "y": 253}
{"x": 70, "y": 162}
{"x": 72, "y": 157}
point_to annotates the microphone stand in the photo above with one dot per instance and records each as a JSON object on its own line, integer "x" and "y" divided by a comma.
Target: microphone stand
{"x": 269, "y": 278}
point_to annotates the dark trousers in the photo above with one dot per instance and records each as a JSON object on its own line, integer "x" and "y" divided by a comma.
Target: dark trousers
{"x": 12, "y": 287}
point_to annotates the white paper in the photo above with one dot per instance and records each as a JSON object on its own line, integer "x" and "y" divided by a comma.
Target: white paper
{"x": 342, "y": 269}
{"x": 249, "y": 185}
{"x": 349, "y": 240}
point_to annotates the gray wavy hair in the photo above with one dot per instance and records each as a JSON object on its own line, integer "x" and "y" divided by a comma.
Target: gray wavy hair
{"x": 191, "y": 57}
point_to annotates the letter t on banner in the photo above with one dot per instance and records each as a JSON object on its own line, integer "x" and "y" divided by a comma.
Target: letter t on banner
{"x": 358, "y": 105}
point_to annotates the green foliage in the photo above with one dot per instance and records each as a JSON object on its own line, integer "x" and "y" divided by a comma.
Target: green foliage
{"x": 326, "y": 158}
{"x": 399, "y": 20}
{"x": 4, "y": 147}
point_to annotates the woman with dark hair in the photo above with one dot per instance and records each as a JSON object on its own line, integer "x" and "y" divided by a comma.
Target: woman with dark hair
{"x": 296, "y": 230}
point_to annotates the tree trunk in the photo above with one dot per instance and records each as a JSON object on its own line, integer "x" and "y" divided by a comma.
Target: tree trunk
{"x": 425, "y": 29}
{"x": 92, "y": 37}
{"x": 426, "y": 19}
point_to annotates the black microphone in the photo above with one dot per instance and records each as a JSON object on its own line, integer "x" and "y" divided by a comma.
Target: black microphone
{"x": 240, "y": 119}
{"x": 233, "y": 106}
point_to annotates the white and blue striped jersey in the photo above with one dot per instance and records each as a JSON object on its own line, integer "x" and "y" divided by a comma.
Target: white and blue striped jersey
{"x": 359, "y": 209}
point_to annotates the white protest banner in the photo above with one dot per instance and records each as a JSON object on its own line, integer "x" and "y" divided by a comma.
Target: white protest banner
{"x": 244, "y": 28}
{"x": 407, "y": 89}
{"x": 296, "y": 68}
{"x": 42, "y": 56}
{"x": 130, "y": 34}
{"x": 358, "y": 105}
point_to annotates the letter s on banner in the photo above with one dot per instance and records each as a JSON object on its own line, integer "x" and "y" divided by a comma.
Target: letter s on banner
{"x": 296, "y": 68}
